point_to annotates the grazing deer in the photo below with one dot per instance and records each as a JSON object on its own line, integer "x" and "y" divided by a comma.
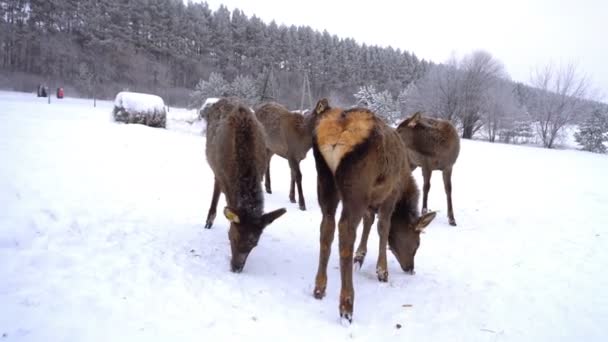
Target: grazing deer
{"x": 433, "y": 144}
{"x": 405, "y": 229}
{"x": 289, "y": 136}
{"x": 361, "y": 161}
{"x": 236, "y": 152}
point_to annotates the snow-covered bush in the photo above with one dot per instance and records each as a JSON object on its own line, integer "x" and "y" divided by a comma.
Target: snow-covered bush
{"x": 215, "y": 86}
{"x": 593, "y": 132}
{"x": 140, "y": 108}
{"x": 520, "y": 132}
{"x": 382, "y": 103}
{"x": 242, "y": 87}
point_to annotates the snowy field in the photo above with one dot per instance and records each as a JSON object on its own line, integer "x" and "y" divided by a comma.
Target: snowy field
{"x": 102, "y": 239}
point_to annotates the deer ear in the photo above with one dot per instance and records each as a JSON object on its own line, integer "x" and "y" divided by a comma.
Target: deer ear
{"x": 425, "y": 220}
{"x": 231, "y": 215}
{"x": 268, "y": 218}
{"x": 413, "y": 121}
{"x": 321, "y": 106}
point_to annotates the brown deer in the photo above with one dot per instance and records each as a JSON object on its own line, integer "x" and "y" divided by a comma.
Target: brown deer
{"x": 361, "y": 161}
{"x": 289, "y": 136}
{"x": 432, "y": 144}
{"x": 236, "y": 152}
{"x": 405, "y": 229}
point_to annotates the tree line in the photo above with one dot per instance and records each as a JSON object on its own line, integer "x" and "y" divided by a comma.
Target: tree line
{"x": 167, "y": 47}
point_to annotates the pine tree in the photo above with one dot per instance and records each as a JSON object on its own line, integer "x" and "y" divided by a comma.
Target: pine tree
{"x": 215, "y": 86}
{"x": 365, "y": 95}
{"x": 593, "y": 133}
{"x": 244, "y": 88}
{"x": 382, "y": 103}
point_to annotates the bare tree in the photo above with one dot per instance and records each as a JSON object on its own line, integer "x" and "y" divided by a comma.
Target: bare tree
{"x": 501, "y": 110}
{"x": 558, "y": 100}
{"x": 480, "y": 72}
{"x": 457, "y": 90}
{"x": 437, "y": 93}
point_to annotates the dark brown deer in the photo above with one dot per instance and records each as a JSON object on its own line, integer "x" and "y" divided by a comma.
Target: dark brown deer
{"x": 433, "y": 144}
{"x": 405, "y": 229}
{"x": 236, "y": 152}
{"x": 361, "y": 161}
{"x": 289, "y": 136}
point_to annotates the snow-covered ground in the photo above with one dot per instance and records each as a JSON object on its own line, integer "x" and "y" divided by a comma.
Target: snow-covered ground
{"x": 102, "y": 239}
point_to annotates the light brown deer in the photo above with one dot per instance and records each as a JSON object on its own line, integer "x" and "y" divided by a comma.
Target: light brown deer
{"x": 236, "y": 152}
{"x": 289, "y": 136}
{"x": 433, "y": 144}
{"x": 361, "y": 161}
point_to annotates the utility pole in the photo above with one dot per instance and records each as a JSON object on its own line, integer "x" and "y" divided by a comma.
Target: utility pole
{"x": 306, "y": 93}
{"x": 269, "y": 90}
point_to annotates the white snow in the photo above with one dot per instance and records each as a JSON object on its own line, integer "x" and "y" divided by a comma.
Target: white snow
{"x": 101, "y": 238}
{"x": 139, "y": 102}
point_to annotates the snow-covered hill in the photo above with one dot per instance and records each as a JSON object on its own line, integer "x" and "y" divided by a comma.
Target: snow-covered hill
{"x": 102, "y": 239}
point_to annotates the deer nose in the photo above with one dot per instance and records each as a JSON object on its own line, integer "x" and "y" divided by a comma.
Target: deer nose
{"x": 236, "y": 268}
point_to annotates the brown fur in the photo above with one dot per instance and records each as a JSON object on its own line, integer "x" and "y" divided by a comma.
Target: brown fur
{"x": 236, "y": 152}
{"x": 362, "y": 162}
{"x": 433, "y": 144}
{"x": 289, "y": 136}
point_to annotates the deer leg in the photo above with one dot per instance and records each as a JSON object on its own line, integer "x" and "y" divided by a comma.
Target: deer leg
{"x": 212, "y": 209}
{"x": 328, "y": 201}
{"x": 347, "y": 233}
{"x": 368, "y": 221}
{"x": 292, "y": 189}
{"x": 426, "y": 175}
{"x": 295, "y": 167}
{"x": 447, "y": 183}
{"x": 384, "y": 224}
{"x": 267, "y": 177}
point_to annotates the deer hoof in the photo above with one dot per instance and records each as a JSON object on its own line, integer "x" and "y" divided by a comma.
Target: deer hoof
{"x": 208, "y": 225}
{"x": 452, "y": 222}
{"x": 292, "y": 200}
{"x": 346, "y": 319}
{"x": 319, "y": 293}
{"x": 346, "y": 310}
{"x": 358, "y": 260}
{"x": 303, "y": 207}
{"x": 382, "y": 275}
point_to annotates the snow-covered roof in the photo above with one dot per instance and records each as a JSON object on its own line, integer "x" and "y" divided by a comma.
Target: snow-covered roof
{"x": 138, "y": 102}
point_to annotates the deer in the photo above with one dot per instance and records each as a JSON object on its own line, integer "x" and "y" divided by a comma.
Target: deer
{"x": 361, "y": 161}
{"x": 236, "y": 152}
{"x": 432, "y": 144}
{"x": 289, "y": 136}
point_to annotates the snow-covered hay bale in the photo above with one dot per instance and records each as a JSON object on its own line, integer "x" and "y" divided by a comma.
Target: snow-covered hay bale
{"x": 140, "y": 108}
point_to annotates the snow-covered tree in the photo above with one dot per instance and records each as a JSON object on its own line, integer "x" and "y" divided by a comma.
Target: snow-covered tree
{"x": 215, "y": 86}
{"x": 593, "y": 132}
{"x": 365, "y": 95}
{"x": 244, "y": 88}
{"x": 386, "y": 106}
{"x": 382, "y": 103}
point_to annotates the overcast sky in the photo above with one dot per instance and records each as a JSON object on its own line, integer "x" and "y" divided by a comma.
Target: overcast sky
{"x": 522, "y": 34}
